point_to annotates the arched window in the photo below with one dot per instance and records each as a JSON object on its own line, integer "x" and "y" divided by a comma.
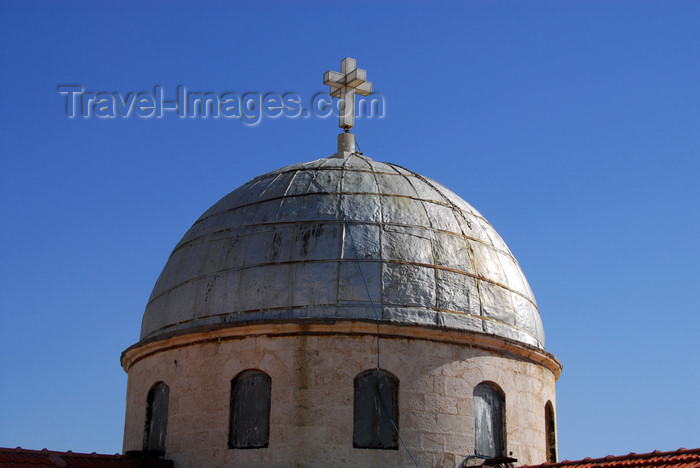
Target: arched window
{"x": 156, "y": 419}
{"x": 250, "y": 410}
{"x": 550, "y": 432}
{"x": 489, "y": 420}
{"x": 375, "y": 406}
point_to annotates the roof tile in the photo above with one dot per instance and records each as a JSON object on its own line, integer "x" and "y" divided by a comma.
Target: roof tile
{"x": 681, "y": 458}
{"x": 23, "y": 458}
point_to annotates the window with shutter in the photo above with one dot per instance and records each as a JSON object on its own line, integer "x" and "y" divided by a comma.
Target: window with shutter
{"x": 250, "y": 410}
{"x": 375, "y": 407}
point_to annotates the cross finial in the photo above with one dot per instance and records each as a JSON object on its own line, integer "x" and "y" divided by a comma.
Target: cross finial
{"x": 344, "y": 85}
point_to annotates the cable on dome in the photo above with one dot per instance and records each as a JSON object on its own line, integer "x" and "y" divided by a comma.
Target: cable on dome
{"x": 376, "y": 315}
{"x": 357, "y": 143}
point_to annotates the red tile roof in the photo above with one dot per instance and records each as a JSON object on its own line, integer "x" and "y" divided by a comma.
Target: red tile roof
{"x": 23, "y": 458}
{"x": 681, "y": 458}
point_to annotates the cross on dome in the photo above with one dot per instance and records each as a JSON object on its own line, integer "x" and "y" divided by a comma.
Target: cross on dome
{"x": 344, "y": 85}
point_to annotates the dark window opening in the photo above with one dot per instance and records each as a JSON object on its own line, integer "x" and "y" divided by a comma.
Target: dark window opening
{"x": 156, "y": 419}
{"x": 250, "y": 410}
{"x": 375, "y": 406}
{"x": 550, "y": 432}
{"x": 489, "y": 420}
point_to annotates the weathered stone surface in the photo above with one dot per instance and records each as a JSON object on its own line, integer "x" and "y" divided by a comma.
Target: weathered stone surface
{"x": 264, "y": 287}
{"x": 363, "y": 241}
{"x": 311, "y": 419}
{"x": 362, "y": 208}
{"x": 358, "y": 182}
{"x": 497, "y": 303}
{"x": 407, "y": 244}
{"x": 451, "y": 251}
{"x": 457, "y": 292}
{"x": 315, "y": 283}
{"x": 441, "y": 217}
{"x": 351, "y": 286}
{"x": 395, "y": 184}
{"x": 314, "y": 241}
{"x": 408, "y": 285}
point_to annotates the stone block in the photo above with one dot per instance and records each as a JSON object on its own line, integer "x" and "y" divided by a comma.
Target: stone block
{"x": 403, "y": 211}
{"x": 407, "y": 244}
{"x": 277, "y": 186}
{"x": 408, "y": 285}
{"x": 351, "y": 286}
{"x": 359, "y": 182}
{"x": 290, "y": 208}
{"x": 395, "y": 184}
{"x": 426, "y": 191}
{"x": 457, "y": 292}
{"x": 486, "y": 261}
{"x": 442, "y": 217}
{"x": 451, "y": 251}
{"x": 497, "y": 303}
{"x": 324, "y": 181}
{"x": 264, "y": 287}
{"x": 314, "y": 283}
{"x": 316, "y": 241}
{"x": 300, "y": 183}
{"x": 320, "y": 207}
{"x": 361, "y": 208}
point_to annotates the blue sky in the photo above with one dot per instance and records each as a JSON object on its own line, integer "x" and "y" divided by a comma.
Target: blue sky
{"x": 574, "y": 127}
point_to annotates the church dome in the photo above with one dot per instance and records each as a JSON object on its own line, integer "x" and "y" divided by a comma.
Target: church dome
{"x": 285, "y": 247}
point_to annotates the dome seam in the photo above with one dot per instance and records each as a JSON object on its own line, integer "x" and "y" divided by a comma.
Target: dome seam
{"x": 432, "y": 237}
{"x": 192, "y": 242}
{"x": 340, "y": 260}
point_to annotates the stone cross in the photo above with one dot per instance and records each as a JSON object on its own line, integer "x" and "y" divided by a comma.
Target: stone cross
{"x": 344, "y": 85}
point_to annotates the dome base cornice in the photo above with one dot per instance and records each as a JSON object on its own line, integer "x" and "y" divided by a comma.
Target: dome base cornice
{"x": 223, "y": 332}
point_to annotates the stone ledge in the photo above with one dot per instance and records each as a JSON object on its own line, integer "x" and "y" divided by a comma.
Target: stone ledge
{"x": 146, "y": 348}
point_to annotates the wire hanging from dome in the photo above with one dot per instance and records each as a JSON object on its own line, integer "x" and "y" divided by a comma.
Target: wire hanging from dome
{"x": 376, "y": 314}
